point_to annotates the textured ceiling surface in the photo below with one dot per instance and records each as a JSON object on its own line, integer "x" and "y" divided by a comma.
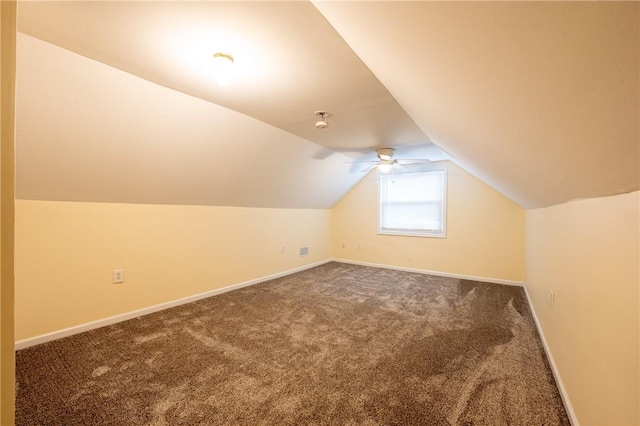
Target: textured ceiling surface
{"x": 116, "y": 101}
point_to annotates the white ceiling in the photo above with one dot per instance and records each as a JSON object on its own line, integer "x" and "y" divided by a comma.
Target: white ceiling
{"x": 88, "y": 132}
{"x": 538, "y": 99}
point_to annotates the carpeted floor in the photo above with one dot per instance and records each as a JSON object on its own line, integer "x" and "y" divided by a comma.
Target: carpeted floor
{"x": 338, "y": 344}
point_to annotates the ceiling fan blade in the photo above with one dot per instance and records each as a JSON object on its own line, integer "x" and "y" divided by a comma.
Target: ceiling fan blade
{"x": 414, "y": 161}
{"x": 370, "y": 167}
{"x": 402, "y": 166}
{"x": 416, "y": 167}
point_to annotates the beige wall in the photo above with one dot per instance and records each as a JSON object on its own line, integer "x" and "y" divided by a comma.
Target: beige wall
{"x": 66, "y": 251}
{"x": 587, "y": 252}
{"x": 7, "y": 102}
{"x": 485, "y": 232}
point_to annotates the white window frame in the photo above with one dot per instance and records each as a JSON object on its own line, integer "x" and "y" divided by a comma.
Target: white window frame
{"x": 434, "y": 233}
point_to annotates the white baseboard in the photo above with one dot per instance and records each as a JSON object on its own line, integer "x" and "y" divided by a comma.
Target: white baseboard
{"x": 437, "y": 273}
{"x": 556, "y": 374}
{"x": 22, "y": 344}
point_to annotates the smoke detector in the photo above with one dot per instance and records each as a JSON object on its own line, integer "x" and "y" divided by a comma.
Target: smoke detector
{"x": 322, "y": 122}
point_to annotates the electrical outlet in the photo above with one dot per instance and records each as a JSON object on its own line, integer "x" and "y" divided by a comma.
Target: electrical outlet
{"x": 118, "y": 276}
{"x": 343, "y": 246}
{"x": 304, "y": 251}
{"x": 552, "y": 300}
{"x": 282, "y": 249}
{"x": 359, "y": 246}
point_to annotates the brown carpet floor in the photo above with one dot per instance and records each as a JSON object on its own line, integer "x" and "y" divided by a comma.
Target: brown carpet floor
{"x": 338, "y": 344}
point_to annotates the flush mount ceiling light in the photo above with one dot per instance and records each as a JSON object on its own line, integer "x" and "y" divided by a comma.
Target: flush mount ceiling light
{"x": 322, "y": 123}
{"x": 223, "y": 68}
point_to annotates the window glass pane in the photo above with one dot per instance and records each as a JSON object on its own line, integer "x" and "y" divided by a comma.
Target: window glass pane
{"x": 413, "y": 203}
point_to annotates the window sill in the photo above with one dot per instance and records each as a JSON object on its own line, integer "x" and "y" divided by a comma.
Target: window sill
{"x": 414, "y": 234}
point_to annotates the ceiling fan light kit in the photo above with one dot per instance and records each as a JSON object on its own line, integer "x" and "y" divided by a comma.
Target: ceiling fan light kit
{"x": 386, "y": 163}
{"x": 385, "y": 166}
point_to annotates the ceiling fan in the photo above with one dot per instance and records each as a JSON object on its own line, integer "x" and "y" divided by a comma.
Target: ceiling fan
{"x": 385, "y": 162}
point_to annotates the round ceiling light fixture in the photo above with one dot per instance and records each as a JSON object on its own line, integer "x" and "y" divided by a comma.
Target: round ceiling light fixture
{"x": 223, "y": 68}
{"x": 322, "y": 123}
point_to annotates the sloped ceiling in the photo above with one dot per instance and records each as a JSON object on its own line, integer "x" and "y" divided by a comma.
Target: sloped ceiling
{"x": 88, "y": 132}
{"x": 540, "y": 100}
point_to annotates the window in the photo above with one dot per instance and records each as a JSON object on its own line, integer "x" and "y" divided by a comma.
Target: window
{"x": 413, "y": 203}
